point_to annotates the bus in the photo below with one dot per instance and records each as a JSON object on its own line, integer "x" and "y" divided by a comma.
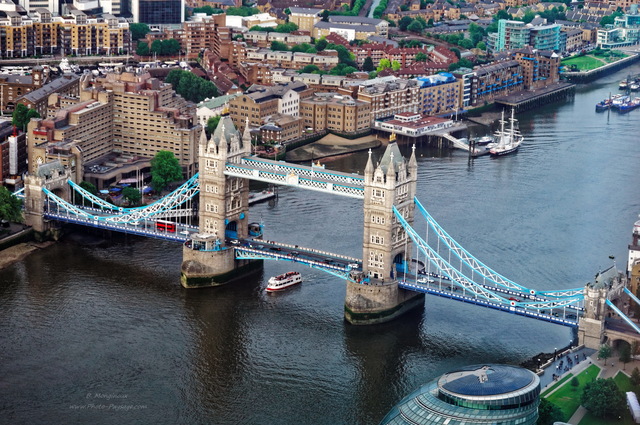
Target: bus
{"x": 166, "y": 226}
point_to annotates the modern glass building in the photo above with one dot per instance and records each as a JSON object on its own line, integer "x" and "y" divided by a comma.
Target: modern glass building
{"x": 480, "y": 394}
{"x": 158, "y": 12}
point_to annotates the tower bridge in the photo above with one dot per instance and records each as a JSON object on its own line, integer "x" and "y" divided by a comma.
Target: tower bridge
{"x": 398, "y": 265}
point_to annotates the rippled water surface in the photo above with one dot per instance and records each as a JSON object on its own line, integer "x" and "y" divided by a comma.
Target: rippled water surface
{"x": 101, "y": 332}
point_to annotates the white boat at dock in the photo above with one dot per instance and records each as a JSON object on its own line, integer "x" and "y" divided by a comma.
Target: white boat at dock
{"x": 507, "y": 141}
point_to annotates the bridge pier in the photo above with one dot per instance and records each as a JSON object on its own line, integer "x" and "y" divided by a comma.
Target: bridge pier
{"x": 378, "y": 302}
{"x": 209, "y": 267}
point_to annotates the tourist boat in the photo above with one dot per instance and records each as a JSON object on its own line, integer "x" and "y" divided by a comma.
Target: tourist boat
{"x": 507, "y": 141}
{"x": 277, "y": 283}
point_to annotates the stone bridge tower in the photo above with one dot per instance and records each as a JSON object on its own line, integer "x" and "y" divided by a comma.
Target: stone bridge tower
{"x": 385, "y": 243}
{"x": 53, "y": 176}
{"x": 223, "y": 211}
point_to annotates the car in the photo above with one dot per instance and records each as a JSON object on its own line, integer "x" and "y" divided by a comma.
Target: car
{"x": 275, "y": 248}
{"x": 234, "y": 242}
{"x": 514, "y": 299}
{"x": 185, "y": 232}
{"x": 354, "y": 265}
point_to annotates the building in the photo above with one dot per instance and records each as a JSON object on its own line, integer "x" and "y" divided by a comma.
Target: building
{"x": 478, "y": 394}
{"x": 412, "y": 124}
{"x": 510, "y": 35}
{"x": 39, "y": 99}
{"x": 158, "y": 12}
{"x": 305, "y": 18}
{"x": 258, "y": 102}
{"x": 351, "y": 27}
{"x": 335, "y": 112}
{"x": 387, "y": 95}
{"x": 213, "y": 108}
{"x": 12, "y": 87}
{"x": 539, "y": 68}
{"x": 546, "y": 37}
{"x": 440, "y": 94}
{"x": 497, "y": 79}
{"x": 13, "y": 155}
{"x": 516, "y": 35}
{"x": 625, "y": 31}
{"x": 280, "y": 128}
{"x": 114, "y": 128}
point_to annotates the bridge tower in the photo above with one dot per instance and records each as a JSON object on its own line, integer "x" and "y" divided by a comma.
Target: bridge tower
{"x": 386, "y": 246}
{"x": 207, "y": 260}
{"x": 53, "y": 176}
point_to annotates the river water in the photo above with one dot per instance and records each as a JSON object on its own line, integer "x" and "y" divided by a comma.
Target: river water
{"x": 102, "y": 332}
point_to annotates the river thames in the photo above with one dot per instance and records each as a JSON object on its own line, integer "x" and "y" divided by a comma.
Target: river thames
{"x": 101, "y": 332}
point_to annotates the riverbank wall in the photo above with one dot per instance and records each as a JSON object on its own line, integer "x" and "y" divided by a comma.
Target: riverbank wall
{"x": 588, "y": 76}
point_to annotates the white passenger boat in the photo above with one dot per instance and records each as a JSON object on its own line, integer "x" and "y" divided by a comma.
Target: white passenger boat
{"x": 277, "y": 283}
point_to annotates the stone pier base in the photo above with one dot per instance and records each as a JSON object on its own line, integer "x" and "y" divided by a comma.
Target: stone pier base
{"x": 378, "y": 303}
{"x": 214, "y": 268}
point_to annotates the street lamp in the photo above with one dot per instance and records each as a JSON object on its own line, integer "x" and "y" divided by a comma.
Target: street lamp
{"x": 555, "y": 354}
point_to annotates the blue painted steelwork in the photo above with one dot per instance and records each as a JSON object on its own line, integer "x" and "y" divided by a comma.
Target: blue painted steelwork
{"x": 477, "y": 266}
{"x": 624, "y": 316}
{"x": 481, "y": 290}
{"x": 633, "y": 297}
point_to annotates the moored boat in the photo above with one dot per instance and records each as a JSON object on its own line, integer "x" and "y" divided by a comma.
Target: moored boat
{"x": 484, "y": 140}
{"x": 507, "y": 141}
{"x": 629, "y": 105}
{"x": 277, "y": 283}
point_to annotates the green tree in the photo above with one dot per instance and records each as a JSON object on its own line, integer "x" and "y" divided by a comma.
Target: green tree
{"x": 420, "y": 57}
{"x": 383, "y": 64}
{"x": 502, "y": 14}
{"x": 574, "y": 382}
{"x": 22, "y": 115}
{"x": 456, "y": 52}
{"x": 279, "y": 46}
{"x": 367, "y": 65}
{"x": 635, "y": 376}
{"x": 548, "y": 413}
{"x": 465, "y": 43}
{"x": 604, "y": 352}
{"x": 342, "y": 69}
{"x": 212, "y": 124}
{"x": 10, "y": 206}
{"x": 132, "y": 195}
{"x": 625, "y": 353}
{"x": 156, "y": 47}
{"x": 415, "y": 26}
{"x": 321, "y": 44}
{"x": 481, "y": 45}
{"x": 395, "y": 65}
{"x": 138, "y": 31}
{"x": 311, "y": 68}
{"x": 170, "y": 47}
{"x": 165, "y": 169}
{"x": 286, "y": 28}
{"x": 404, "y": 22}
{"x": 287, "y": 11}
{"x": 325, "y": 15}
{"x": 89, "y": 187}
{"x": 142, "y": 49}
{"x": 603, "y": 399}
{"x": 242, "y": 11}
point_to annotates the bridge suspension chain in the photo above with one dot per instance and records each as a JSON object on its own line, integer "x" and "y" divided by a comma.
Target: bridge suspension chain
{"x": 477, "y": 266}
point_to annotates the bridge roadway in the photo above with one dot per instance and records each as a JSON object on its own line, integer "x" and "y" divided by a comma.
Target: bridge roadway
{"x": 308, "y": 177}
{"x": 443, "y": 288}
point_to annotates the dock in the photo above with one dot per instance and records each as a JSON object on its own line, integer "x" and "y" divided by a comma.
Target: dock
{"x": 465, "y": 145}
{"x": 523, "y": 101}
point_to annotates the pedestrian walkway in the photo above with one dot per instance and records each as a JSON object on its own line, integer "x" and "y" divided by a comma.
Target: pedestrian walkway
{"x": 561, "y": 366}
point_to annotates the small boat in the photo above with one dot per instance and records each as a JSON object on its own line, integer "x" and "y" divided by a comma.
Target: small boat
{"x": 484, "y": 140}
{"x": 507, "y": 141}
{"x": 277, "y": 283}
{"x": 64, "y": 66}
{"x": 623, "y": 85}
{"x": 265, "y": 195}
{"x": 635, "y": 86}
{"x": 629, "y": 105}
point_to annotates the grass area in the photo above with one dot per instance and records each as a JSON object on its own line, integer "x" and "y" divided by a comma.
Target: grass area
{"x": 557, "y": 384}
{"x": 593, "y": 61}
{"x": 567, "y": 397}
{"x": 624, "y": 384}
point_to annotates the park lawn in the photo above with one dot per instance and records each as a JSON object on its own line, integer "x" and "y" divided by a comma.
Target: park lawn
{"x": 557, "y": 384}
{"x": 584, "y": 63}
{"x": 624, "y": 384}
{"x": 567, "y": 397}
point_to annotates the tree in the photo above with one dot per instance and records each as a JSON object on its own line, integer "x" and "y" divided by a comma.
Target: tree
{"x": 383, "y": 64}
{"x": 574, "y": 382}
{"x": 325, "y": 15}
{"x": 279, "y": 46}
{"x": 212, "y": 124}
{"x": 89, "y": 187}
{"x": 415, "y": 26}
{"x": 481, "y": 45}
{"x": 603, "y": 399}
{"x": 604, "y": 352}
{"x": 405, "y": 22}
{"x": 132, "y": 195}
{"x": 165, "y": 169}
{"x": 367, "y": 65}
{"x": 242, "y": 11}
{"x": 142, "y": 49}
{"x": 635, "y": 376}
{"x": 22, "y": 115}
{"x": 625, "y": 353}
{"x": 10, "y": 206}
{"x": 548, "y": 413}
{"x": 321, "y": 44}
{"x": 420, "y": 57}
{"x": 138, "y": 31}
{"x": 395, "y": 65}
{"x": 456, "y": 52}
{"x": 156, "y": 47}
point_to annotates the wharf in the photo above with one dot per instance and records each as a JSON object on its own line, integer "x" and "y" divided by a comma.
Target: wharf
{"x": 531, "y": 99}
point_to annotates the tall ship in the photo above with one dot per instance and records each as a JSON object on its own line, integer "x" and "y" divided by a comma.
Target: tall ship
{"x": 280, "y": 282}
{"x": 506, "y": 141}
